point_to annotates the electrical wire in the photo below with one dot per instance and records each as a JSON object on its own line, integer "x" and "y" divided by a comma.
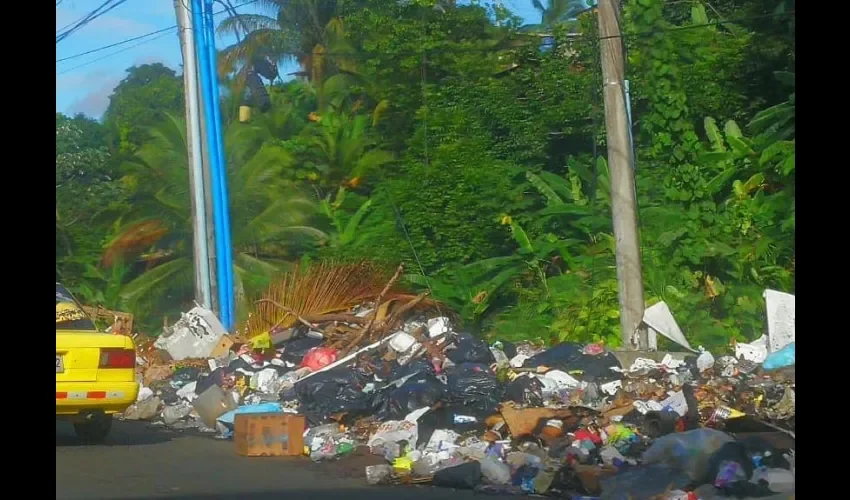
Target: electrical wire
{"x": 98, "y": 12}
{"x": 133, "y": 39}
{"x": 365, "y": 55}
{"x": 170, "y": 30}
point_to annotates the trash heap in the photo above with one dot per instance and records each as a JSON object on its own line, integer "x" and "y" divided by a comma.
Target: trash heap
{"x": 429, "y": 404}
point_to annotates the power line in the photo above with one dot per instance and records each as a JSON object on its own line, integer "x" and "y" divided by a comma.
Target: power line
{"x": 115, "y": 53}
{"x": 116, "y": 44}
{"x": 461, "y": 50}
{"x": 129, "y": 40}
{"x": 104, "y": 8}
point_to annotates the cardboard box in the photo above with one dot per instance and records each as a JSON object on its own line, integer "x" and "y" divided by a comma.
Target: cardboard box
{"x": 224, "y": 344}
{"x": 269, "y": 434}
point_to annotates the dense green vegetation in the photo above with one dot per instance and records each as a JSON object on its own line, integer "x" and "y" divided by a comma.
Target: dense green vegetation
{"x": 446, "y": 136}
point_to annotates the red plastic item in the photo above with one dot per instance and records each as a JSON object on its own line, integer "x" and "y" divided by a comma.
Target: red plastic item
{"x": 585, "y": 434}
{"x": 318, "y": 358}
{"x": 593, "y": 349}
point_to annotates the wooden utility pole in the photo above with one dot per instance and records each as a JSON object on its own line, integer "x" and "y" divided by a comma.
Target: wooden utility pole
{"x": 620, "y": 162}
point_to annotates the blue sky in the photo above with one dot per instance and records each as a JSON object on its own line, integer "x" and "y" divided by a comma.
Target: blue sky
{"x": 83, "y": 84}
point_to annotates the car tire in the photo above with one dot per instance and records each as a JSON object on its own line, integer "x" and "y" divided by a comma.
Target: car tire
{"x": 94, "y": 430}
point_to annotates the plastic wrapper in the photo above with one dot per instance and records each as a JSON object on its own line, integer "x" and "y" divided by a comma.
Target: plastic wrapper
{"x": 464, "y": 476}
{"x": 474, "y": 386}
{"x": 392, "y": 438}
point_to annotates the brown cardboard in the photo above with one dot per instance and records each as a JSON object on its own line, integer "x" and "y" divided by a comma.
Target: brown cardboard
{"x": 269, "y": 434}
{"x": 222, "y": 347}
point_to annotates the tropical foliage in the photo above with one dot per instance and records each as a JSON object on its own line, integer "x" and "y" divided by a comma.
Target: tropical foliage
{"x": 446, "y": 136}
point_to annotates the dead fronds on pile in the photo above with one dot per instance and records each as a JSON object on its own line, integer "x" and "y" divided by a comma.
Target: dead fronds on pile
{"x": 327, "y": 292}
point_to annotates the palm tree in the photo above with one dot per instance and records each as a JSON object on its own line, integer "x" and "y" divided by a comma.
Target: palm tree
{"x": 299, "y": 30}
{"x": 267, "y": 217}
{"x": 558, "y": 11}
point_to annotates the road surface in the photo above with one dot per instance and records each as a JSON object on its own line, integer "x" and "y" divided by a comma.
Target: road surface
{"x": 138, "y": 461}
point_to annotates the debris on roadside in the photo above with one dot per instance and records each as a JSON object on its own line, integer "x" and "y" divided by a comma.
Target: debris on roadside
{"x": 379, "y": 372}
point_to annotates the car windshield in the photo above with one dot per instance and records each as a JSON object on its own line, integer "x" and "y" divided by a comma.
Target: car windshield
{"x": 69, "y": 313}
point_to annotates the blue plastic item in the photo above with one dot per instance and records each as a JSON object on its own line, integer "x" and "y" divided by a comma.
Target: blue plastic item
{"x": 228, "y": 417}
{"x": 781, "y": 358}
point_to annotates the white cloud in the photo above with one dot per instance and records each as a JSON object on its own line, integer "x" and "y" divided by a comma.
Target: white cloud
{"x": 94, "y": 102}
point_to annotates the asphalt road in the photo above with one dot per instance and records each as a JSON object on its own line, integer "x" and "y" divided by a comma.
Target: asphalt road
{"x": 138, "y": 461}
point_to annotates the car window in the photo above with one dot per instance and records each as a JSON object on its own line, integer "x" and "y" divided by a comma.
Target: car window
{"x": 69, "y": 313}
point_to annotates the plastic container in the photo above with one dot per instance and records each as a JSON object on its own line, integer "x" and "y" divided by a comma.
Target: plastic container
{"x": 213, "y": 403}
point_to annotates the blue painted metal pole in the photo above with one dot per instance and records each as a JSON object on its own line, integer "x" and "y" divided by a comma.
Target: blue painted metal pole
{"x": 218, "y": 141}
{"x": 207, "y": 98}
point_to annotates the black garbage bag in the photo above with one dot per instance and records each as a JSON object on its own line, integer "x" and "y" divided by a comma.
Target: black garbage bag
{"x": 463, "y": 476}
{"x": 183, "y": 376}
{"x": 420, "y": 391}
{"x": 214, "y": 378}
{"x": 525, "y": 390}
{"x": 294, "y": 350}
{"x": 569, "y": 357}
{"x": 643, "y": 482}
{"x": 474, "y": 386}
{"x": 470, "y": 350}
{"x": 746, "y": 489}
{"x": 509, "y": 348}
{"x": 734, "y": 451}
{"x": 339, "y": 390}
{"x": 416, "y": 367}
{"x": 559, "y": 356}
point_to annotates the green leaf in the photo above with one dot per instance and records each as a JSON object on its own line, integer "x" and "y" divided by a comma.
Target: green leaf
{"x": 698, "y": 15}
{"x": 521, "y": 237}
{"x": 732, "y": 130}
{"x": 788, "y": 165}
{"x": 347, "y": 236}
{"x": 156, "y": 277}
{"x": 716, "y": 184}
{"x": 544, "y": 189}
{"x": 713, "y": 134}
{"x": 740, "y": 146}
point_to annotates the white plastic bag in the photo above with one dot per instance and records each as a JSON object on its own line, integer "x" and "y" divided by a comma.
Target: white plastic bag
{"x": 705, "y": 360}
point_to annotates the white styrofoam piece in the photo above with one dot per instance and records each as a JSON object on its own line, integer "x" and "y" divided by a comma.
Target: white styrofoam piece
{"x": 195, "y": 335}
{"x": 402, "y": 342}
{"x": 780, "y": 319}
{"x": 755, "y": 351}
{"x": 659, "y": 319}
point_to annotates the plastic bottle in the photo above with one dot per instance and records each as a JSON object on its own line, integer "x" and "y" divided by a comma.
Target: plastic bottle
{"x": 496, "y": 472}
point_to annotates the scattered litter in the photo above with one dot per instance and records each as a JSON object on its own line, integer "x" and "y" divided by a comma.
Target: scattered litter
{"x": 428, "y": 403}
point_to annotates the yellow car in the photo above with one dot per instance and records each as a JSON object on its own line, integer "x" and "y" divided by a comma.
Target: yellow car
{"x": 95, "y": 371}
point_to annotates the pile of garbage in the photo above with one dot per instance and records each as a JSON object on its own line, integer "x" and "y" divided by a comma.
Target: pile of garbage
{"x": 441, "y": 406}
